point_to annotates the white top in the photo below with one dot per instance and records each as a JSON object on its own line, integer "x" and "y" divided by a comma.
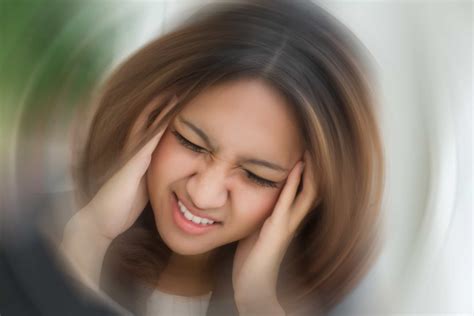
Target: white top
{"x": 164, "y": 304}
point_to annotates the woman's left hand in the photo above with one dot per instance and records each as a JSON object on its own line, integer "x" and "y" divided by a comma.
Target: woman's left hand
{"x": 258, "y": 257}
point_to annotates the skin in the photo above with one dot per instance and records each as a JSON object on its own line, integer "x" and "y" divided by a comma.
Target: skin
{"x": 243, "y": 121}
{"x": 262, "y": 218}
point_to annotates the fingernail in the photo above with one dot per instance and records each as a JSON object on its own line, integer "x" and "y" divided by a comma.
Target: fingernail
{"x": 302, "y": 166}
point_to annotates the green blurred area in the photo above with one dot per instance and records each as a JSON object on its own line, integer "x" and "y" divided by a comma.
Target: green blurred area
{"x": 52, "y": 53}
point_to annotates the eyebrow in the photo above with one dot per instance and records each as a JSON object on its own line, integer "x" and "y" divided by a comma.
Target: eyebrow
{"x": 198, "y": 131}
{"x": 208, "y": 142}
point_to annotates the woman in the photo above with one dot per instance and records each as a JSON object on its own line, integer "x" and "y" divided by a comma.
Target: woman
{"x": 237, "y": 160}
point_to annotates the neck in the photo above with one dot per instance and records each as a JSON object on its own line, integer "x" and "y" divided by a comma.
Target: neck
{"x": 188, "y": 275}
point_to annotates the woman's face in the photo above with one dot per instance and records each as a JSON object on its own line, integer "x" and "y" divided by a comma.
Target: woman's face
{"x": 225, "y": 157}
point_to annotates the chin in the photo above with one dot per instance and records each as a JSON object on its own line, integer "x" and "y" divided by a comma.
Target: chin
{"x": 186, "y": 248}
{"x": 182, "y": 246}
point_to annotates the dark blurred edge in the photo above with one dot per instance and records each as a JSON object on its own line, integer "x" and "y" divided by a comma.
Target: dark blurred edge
{"x": 52, "y": 52}
{"x": 32, "y": 279}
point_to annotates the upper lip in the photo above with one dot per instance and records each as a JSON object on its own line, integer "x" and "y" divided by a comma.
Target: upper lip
{"x": 194, "y": 211}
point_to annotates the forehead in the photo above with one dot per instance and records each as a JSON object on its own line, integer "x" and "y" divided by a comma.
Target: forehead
{"x": 247, "y": 117}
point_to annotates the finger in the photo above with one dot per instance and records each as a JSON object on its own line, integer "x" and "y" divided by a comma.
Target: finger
{"x": 144, "y": 154}
{"x": 288, "y": 192}
{"x": 142, "y": 158}
{"x": 135, "y": 169}
{"x": 167, "y": 108}
{"x": 140, "y": 201}
{"x": 128, "y": 182}
{"x": 304, "y": 201}
{"x": 142, "y": 123}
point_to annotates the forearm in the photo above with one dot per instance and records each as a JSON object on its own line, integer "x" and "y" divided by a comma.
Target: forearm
{"x": 84, "y": 248}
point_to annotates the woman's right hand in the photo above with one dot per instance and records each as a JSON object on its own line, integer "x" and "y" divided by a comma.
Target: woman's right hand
{"x": 119, "y": 202}
{"x": 113, "y": 210}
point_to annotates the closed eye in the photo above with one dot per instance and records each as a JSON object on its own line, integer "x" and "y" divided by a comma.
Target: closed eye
{"x": 186, "y": 143}
{"x": 256, "y": 179}
{"x": 261, "y": 181}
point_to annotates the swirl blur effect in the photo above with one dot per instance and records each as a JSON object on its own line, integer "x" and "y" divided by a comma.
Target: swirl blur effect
{"x": 54, "y": 54}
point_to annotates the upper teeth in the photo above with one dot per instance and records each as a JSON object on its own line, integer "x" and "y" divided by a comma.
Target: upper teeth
{"x": 191, "y": 217}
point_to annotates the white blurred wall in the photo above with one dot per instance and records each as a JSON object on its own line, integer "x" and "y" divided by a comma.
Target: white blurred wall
{"x": 423, "y": 55}
{"x": 423, "y": 51}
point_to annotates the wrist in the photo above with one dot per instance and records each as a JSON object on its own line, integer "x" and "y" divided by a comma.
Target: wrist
{"x": 84, "y": 246}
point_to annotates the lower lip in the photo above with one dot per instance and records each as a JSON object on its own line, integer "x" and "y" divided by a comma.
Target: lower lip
{"x": 186, "y": 225}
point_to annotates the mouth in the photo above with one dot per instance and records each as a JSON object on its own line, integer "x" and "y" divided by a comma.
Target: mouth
{"x": 188, "y": 222}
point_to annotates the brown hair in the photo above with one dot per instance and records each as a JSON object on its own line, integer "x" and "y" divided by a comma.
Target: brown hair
{"x": 320, "y": 67}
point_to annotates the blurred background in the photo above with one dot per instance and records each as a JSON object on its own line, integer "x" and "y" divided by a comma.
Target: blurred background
{"x": 54, "y": 53}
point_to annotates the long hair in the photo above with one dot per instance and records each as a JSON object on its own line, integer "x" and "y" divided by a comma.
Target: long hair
{"x": 321, "y": 69}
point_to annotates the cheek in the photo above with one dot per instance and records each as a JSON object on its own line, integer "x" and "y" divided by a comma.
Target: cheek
{"x": 168, "y": 157}
{"x": 167, "y": 163}
{"x": 254, "y": 207}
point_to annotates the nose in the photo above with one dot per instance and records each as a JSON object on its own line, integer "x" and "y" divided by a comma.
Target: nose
{"x": 207, "y": 188}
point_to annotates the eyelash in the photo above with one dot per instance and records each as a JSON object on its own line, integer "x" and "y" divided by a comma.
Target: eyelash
{"x": 186, "y": 143}
{"x": 260, "y": 181}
